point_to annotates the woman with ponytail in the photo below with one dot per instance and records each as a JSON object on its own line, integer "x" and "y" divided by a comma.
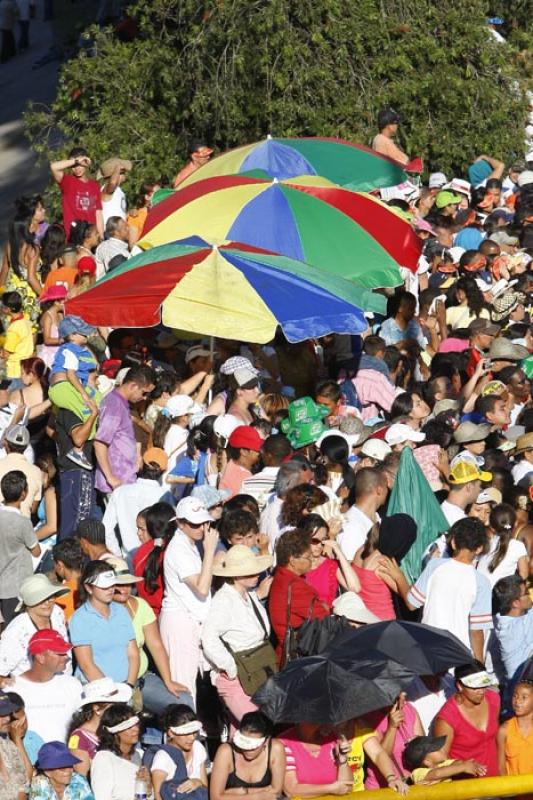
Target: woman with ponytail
{"x": 159, "y": 528}
{"x": 506, "y": 555}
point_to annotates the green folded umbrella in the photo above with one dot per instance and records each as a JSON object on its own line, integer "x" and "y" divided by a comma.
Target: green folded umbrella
{"x": 412, "y": 494}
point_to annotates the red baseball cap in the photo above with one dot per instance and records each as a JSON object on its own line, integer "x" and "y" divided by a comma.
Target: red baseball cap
{"x": 87, "y": 265}
{"x": 246, "y": 437}
{"x": 48, "y": 639}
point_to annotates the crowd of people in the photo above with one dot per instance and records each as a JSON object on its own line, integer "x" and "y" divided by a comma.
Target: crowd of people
{"x": 174, "y": 510}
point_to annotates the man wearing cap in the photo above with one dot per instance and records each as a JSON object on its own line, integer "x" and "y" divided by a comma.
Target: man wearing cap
{"x": 115, "y": 248}
{"x": 199, "y": 359}
{"x": 383, "y": 142}
{"x": 187, "y": 595}
{"x": 465, "y": 485}
{"x": 401, "y": 435}
{"x": 127, "y": 500}
{"x": 244, "y": 447}
{"x": 13, "y": 758}
{"x": 447, "y": 203}
{"x": 482, "y": 334}
{"x": 114, "y": 171}
{"x": 199, "y": 155}
{"x": 50, "y": 697}
{"x": 16, "y": 441}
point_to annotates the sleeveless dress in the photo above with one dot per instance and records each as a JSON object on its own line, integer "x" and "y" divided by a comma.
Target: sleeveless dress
{"x": 324, "y": 580}
{"x": 469, "y": 741}
{"x": 48, "y": 351}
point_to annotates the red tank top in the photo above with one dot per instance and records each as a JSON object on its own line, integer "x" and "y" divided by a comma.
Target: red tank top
{"x": 470, "y": 742}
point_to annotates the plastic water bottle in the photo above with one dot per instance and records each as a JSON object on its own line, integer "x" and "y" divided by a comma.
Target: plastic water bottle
{"x": 141, "y": 790}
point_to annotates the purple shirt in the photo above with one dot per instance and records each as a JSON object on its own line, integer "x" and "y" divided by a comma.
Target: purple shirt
{"x": 115, "y": 429}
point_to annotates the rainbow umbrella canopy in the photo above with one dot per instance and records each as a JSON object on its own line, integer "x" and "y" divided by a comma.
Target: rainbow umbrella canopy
{"x": 231, "y": 291}
{"x": 353, "y": 166}
{"x": 346, "y": 233}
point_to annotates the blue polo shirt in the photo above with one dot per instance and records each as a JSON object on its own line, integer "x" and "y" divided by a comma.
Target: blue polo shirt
{"x": 108, "y": 637}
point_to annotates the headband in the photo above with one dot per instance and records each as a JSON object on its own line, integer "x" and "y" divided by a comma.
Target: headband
{"x": 103, "y": 580}
{"x": 194, "y": 726}
{"x": 477, "y": 680}
{"x": 244, "y": 742}
{"x": 123, "y": 726}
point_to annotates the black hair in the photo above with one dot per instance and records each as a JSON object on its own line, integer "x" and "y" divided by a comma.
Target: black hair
{"x": 505, "y": 374}
{"x": 243, "y": 501}
{"x": 79, "y": 230}
{"x": 160, "y": 524}
{"x": 142, "y": 376}
{"x": 175, "y": 715}
{"x": 19, "y": 234}
{"x": 493, "y": 183}
{"x": 256, "y": 722}
{"x": 373, "y": 345}
{"x": 505, "y": 592}
{"x": 485, "y": 404}
{"x": 92, "y": 530}
{"x": 69, "y": 552}
{"x": 90, "y": 571}
{"x": 235, "y": 522}
{"x": 402, "y": 405}
{"x": 113, "y": 715}
{"x": 311, "y": 523}
{"x": 277, "y": 446}
{"x": 166, "y": 382}
{"x": 468, "y": 534}
{"x": 438, "y": 431}
{"x": 12, "y": 301}
{"x": 468, "y": 669}
{"x": 474, "y": 296}
{"x": 52, "y": 245}
{"x": 78, "y": 152}
{"x": 13, "y": 485}
{"x": 336, "y": 450}
{"x": 329, "y": 389}
{"x": 151, "y": 471}
{"x": 502, "y": 520}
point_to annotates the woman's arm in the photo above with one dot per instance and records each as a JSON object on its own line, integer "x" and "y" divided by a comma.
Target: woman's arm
{"x": 85, "y": 762}
{"x": 32, "y": 261}
{"x": 84, "y": 657}
{"x": 523, "y": 567}
{"x": 384, "y": 764}
{"x": 50, "y": 507}
{"x": 157, "y": 650}
{"x": 205, "y": 388}
{"x": 134, "y": 660}
{"x": 292, "y": 788}
{"x": 190, "y": 385}
{"x": 441, "y": 728}
{"x": 201, "y": 584}
{"x": 345, "y": 574}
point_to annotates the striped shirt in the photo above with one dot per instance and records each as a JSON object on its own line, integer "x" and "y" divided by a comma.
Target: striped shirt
{"x": 375, "y": 392}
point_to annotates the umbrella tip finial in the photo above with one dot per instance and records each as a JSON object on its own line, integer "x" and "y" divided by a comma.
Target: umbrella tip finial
{"x": 214, "y": 246}
{"x": 269, "y": 136}
{"x": 275, "y": 180}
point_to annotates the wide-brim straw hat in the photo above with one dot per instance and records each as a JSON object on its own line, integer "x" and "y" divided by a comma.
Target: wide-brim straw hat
{"x": 240, "y": 561}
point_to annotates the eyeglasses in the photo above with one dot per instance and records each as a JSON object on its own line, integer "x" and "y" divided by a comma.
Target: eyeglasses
{"x": 316, "y": 541}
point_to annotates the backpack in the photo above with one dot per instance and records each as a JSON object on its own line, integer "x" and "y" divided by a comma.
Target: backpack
{"x": 169, "y": 788}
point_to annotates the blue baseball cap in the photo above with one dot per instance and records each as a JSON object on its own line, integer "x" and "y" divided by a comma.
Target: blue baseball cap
{"x": 7, "y": 706}
{"x": 210, "y": 496}
{"x": 72, "y": 324}
{"x": 55, "y": 755}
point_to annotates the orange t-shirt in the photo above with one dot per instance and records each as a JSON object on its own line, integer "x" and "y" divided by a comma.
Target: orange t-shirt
{"x": 65, "y": 275}
{"x": 69, "y": 602}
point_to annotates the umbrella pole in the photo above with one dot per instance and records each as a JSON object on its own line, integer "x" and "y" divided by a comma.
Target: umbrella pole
{"x": 211, "y": 357}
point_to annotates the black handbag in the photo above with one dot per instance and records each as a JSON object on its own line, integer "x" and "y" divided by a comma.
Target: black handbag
{"x": 290, "y": 650}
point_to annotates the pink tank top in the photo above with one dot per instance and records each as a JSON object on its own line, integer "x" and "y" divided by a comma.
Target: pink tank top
{"x": 469, "y": 741}
{"x": 375, "y": 594}
{"x": 319, "y": 769}
{"x": 404, "y": 733}
{"x": 324, "y": 580}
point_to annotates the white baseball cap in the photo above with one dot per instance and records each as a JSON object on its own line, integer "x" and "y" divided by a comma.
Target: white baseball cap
{"x": 180, "y": 404}
{"x": 105, "y": 690}
{"x": 193, "y": 510}
{"x": 350, "y": 605}
{"x": 375, "y": 448}
{"x": 437, "y": 180}
{"x": 225, "y": 424}
{"x": 197, "y": 351}
{"x": 399, "y": 433}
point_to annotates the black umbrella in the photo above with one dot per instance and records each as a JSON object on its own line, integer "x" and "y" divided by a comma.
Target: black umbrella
{"x": 320, "y": 690}
{"x": 422, "y": 649}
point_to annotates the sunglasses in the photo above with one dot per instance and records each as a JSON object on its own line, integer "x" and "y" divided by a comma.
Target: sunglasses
{"x": 314, "y": 540}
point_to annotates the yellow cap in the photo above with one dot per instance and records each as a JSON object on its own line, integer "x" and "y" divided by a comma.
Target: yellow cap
{"x": 466, "y": 471}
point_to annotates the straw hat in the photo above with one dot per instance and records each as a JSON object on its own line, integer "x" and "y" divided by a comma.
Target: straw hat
{"x": 240, "y": 561}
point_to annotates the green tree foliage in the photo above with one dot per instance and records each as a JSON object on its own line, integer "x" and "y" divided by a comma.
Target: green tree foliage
{"x": 235, "y": 70}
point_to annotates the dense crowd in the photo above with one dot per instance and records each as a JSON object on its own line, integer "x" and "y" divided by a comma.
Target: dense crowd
{"x": 174, "y": 510}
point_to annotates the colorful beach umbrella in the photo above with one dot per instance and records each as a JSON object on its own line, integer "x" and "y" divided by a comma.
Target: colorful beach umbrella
{"x": 353, "y": 166}
{"x": 232, "y": 291}
{"x": 348, "y": 233}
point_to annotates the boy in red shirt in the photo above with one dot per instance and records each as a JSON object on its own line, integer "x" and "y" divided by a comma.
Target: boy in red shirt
{"x": 80, "y": 196}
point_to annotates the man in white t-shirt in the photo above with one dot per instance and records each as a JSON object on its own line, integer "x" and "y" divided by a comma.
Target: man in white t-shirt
{"x": 50, "y": 697}
{"x": 187, "y": 596}
{"x": 454, "y": 595}
{"x": 465, "y": 485}
{"x": 370, "y": 494}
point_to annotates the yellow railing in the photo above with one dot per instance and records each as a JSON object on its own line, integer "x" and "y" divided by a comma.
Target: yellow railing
{"x": 454, "y": 790}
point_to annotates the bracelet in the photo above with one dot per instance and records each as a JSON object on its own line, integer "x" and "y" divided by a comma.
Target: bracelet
{"x": 389, "y": 778}
{"x": 341, "y": 763}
